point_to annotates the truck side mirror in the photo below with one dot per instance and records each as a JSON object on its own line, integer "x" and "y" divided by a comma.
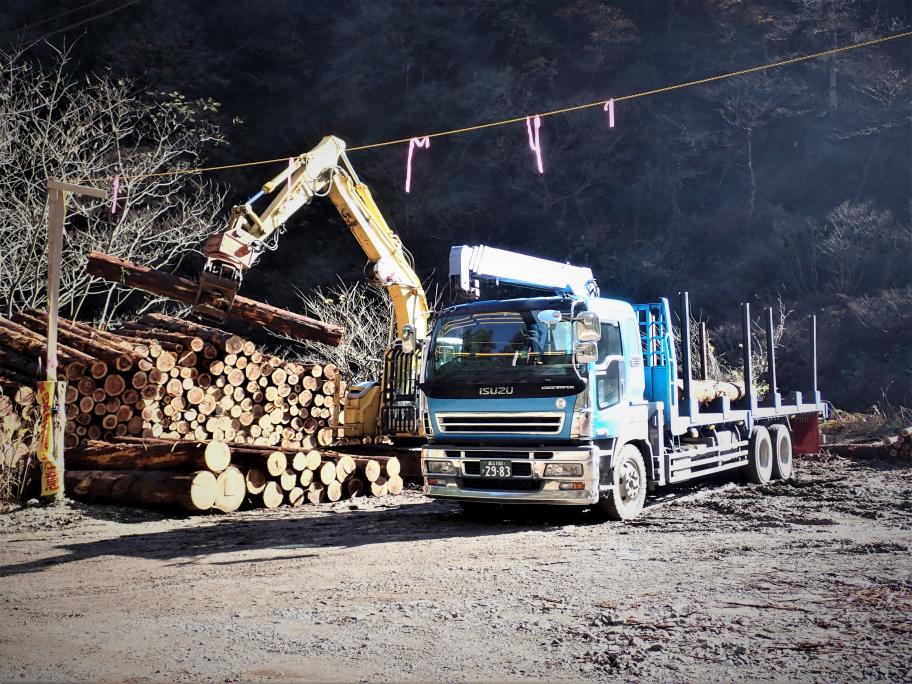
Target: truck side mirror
{"x": 586, "y": 352}
{"x": 588, "y": 327}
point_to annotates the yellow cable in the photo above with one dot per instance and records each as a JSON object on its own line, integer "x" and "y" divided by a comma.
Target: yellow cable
{"x": 554, "y": 112}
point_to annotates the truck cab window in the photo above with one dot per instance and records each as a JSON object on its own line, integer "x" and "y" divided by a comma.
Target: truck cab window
{"x": 608, "y": 385}
{"x": 608, "y": 377}
{"x": 610, "y": 344}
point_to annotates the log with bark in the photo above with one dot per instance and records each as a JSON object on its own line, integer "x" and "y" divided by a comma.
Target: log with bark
{"x": 149, "y": 455}
{"x": 188, "y": 491}
{"x": 707, "y": 391}
{"x": 290, "y": 324}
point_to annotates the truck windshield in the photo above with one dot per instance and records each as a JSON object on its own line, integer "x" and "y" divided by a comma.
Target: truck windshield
{"x": 500, "y": 345}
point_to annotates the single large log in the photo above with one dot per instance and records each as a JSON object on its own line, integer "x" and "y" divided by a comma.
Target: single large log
{"x": 255, "y": 481}
{"x": 271, "y": 318}
{"x": 395, "y": 485}
{"x": 190, "y": 491}
{"x": 706, "y": 391}
{"x": 231, "y": 489}
{"x": 272, "y": 495}
{"x": 149, "y": 455}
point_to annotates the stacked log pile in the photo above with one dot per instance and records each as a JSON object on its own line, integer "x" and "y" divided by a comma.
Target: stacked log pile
{"x": 900, "y": 444}
{"x": 200, "y": 476}
{"x": 166, "y": 378}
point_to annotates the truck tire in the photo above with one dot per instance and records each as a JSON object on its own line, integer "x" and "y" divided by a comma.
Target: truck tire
{"x": 625, "y": 499}
{"x": 759, "y": 468}
{"x": 782, "y": 451}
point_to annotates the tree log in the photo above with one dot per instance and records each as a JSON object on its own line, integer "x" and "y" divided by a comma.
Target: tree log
{"x": 380, "y": 487}
{"x": 334, "y": 491}
{"x": 327, "y": 472}
{"x": 34, "y": 345}
{"x": 231, "y": 489}
{"x": 395, "y": 485}
{"x": 271, "y": 318}
{"x": 255, "y": 480}
{"x": 150, "y": 455}
{"x": 288, "y": 480}
{"x": 296, "y": 496}
{"x": 272, "y": 495}
{"x": 354, "y": 486}
{"x": 189, "y": 491}
{"x": 316, "y": 493}
{"x": 706, "y": 391}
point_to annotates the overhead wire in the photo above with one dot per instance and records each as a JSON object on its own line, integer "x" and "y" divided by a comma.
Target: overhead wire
{"x": 94, "y": 17}
{"x": 553, "y": 112}
{"x": 46, "y": 20}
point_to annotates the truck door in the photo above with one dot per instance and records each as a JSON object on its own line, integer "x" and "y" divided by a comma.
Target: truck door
{"x": 610, "y": 371}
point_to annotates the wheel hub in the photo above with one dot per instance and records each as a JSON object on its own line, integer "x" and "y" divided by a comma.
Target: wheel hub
{"x": 629, "y": 481}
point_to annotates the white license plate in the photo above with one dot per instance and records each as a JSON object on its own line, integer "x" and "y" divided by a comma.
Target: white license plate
{"x": 498, "y": 469}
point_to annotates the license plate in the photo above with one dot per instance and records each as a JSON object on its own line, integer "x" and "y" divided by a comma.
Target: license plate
{"x": 498, "y": 469}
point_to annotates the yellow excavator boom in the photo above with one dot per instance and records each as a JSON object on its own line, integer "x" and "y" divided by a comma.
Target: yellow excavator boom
{"x": 326, "y": 171}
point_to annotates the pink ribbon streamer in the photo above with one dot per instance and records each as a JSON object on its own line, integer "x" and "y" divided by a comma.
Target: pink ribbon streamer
{"x": 424, "y": 142}
{"x": 609, "y": 107}
{"x": 114, "y": 191}
{"x": 534, "y": 141}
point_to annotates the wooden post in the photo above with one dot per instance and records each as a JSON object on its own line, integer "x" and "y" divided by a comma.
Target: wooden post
{"x": 51, "y": 393}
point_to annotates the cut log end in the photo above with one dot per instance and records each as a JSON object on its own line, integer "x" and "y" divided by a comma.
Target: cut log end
{"x": 231, "y": 489}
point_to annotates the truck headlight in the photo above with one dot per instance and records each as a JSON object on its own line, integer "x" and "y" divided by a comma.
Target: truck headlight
{"x": 441, "y": 467}
{"x": 564, "y": 470}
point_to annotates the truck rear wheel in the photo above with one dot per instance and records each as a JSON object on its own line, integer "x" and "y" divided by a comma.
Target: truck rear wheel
{"x": 628, "y": 493}
{"x": 759, "y": 468}
{"x": 782, "y": 451}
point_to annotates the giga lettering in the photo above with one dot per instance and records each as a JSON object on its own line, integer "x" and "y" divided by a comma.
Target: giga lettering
{"x": 495, "y": 391}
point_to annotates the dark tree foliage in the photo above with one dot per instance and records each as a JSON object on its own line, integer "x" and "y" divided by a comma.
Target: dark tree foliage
{"x": 793, "y": 183}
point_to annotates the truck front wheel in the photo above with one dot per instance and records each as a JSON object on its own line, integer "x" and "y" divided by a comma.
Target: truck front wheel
{"x": 625, "y": 499}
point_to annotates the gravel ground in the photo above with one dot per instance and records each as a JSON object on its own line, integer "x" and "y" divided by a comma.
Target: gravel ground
{"x": 807, "y": 580}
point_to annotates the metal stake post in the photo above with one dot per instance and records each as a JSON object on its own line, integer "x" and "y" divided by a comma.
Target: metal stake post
{"x": 51, "y": 393}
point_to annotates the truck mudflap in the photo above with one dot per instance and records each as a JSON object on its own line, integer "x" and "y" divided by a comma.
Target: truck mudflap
{"x": 507, "y": 475}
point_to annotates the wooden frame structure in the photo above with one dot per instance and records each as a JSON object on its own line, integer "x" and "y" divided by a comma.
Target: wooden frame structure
{"x": 51, "y": 393}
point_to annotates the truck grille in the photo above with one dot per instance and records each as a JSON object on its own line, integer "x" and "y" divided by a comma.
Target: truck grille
{"x": 514, "y": 423}
{"x": 502, "y": 485}
{"x": 520, "y": 468}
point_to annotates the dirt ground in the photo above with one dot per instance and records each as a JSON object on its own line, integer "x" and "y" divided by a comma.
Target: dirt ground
{"x": 808, "y": 580}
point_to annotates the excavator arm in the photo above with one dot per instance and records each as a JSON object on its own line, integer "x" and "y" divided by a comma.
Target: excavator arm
{"x": 324, "y": 171}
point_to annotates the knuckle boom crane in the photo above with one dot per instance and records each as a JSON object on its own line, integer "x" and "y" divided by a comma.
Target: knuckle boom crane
{"x": 389, "y": 406}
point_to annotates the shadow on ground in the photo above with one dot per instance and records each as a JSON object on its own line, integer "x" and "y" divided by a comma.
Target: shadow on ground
{"x": 202, "y": 539}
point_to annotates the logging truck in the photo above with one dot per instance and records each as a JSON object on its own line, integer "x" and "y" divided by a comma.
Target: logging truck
{"x": 388, "y": 406}
{"x": 575, "y": 399}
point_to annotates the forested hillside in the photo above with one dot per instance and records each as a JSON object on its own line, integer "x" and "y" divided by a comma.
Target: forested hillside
{"x": 792, "y": 184}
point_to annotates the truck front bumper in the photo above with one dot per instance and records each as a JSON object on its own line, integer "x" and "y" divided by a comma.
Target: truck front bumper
{"x": 528, "y": 484}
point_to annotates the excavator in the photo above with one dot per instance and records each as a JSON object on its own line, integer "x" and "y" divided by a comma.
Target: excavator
{"x": 386, "y": 407}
